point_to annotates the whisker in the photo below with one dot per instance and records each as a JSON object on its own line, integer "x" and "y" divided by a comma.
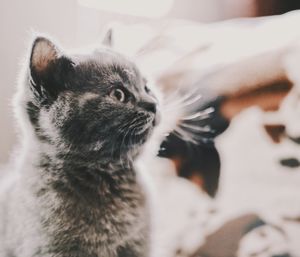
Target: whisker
{"x": 183, "y": 98}
{"x": 201, "y": 114}
{"x": 186, "y": 136}
{"x": 182, "y": 106}
{"x": 192, "y": 101}
{"x": 196, "y": 128}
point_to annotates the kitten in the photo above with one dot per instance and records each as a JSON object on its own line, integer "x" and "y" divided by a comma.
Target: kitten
{"x": 85, "y": 119}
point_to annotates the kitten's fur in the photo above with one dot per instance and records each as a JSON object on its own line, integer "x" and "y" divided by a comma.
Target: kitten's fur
{"x": 75, "y": 192}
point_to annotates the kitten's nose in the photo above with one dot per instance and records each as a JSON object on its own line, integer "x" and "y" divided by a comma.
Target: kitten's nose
{"x": 148, "y": 106}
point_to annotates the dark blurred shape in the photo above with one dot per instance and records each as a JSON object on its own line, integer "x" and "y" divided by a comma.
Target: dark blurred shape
{"x": 256, "y": 8}
{"x": 274, "y": 7}
{"x": 290, "y": 162}
{"x": 277, "y": 132}
{"x": 296, "y": 140}
{"x": 199, "y": 162}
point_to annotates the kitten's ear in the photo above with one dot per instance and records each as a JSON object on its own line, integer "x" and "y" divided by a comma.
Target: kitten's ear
{"x": 108, "y": 38}
{"x": 43, "y": 53}
{"x": 48, "y": 67}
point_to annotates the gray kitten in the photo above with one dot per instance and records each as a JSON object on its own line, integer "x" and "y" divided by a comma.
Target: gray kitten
{"x": 75, "y": 192}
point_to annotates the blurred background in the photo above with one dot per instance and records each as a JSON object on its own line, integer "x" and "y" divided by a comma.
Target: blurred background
{"x": 80, "y": 22}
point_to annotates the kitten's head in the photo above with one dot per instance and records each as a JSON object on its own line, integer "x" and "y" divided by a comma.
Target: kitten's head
{"x": 95, "y": 103}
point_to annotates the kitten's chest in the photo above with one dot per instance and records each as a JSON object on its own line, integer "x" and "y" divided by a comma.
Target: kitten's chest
{"x": 99, "y": 224}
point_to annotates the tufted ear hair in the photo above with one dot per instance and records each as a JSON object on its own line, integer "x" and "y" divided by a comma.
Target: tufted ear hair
{"x": 108, "y": 38}
{"x": 48, "y": 67}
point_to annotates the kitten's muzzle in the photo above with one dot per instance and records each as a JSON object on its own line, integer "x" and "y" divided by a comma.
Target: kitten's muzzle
{"x": 151, "y": 107}
{"x": 148, "y": 106}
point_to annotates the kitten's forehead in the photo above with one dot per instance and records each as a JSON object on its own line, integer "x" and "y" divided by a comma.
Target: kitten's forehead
{"x": 108, "y": 66}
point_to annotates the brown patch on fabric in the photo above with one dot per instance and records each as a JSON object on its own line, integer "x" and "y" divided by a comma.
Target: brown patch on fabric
{"x": 177, "y": 163}
{"x": 197, "y": 179}
{"x": 276, "y": 132}
{"x": 268, "y": 97}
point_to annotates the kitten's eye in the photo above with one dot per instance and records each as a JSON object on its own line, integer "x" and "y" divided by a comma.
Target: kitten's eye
{"x": 118, "y": 94}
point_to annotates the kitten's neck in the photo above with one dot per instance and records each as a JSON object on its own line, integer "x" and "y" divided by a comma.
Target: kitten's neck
{"x": 74, "y": 171}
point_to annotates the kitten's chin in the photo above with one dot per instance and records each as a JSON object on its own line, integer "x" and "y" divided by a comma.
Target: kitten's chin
{"x": 141, "y": 137}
